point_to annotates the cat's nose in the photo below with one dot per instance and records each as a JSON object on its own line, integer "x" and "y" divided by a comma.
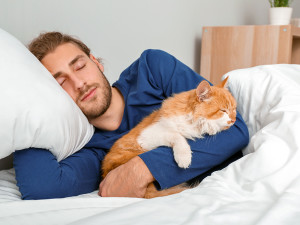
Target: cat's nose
{"x": 231, "y": 121}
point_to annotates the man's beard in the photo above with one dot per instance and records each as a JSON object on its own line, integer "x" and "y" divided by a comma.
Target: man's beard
{"x": 96, "y": 107}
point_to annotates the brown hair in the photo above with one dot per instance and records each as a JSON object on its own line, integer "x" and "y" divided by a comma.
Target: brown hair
{"x": 49, "y": 41}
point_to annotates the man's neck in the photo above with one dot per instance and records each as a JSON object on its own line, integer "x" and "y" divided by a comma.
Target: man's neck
{"x": 112, "y": 118}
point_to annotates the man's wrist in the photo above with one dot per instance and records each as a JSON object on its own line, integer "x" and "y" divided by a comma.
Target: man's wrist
{"x": 141, "y": 168}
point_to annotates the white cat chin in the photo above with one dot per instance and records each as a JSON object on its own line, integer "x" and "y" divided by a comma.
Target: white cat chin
{"x": 215, "y": 126}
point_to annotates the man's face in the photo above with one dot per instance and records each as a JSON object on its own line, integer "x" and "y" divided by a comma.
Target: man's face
{"x": 81, "y": 77}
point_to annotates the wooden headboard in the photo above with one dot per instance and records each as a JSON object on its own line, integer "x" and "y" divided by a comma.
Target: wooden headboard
{"x": 235, "y": 47}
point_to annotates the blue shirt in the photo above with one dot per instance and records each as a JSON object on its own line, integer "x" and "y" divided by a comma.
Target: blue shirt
{"x": 144, "y": 85}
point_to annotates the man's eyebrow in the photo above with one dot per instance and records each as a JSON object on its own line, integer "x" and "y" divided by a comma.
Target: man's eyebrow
{"x": 56, "y": 75}
{"x": 75, "y": 60}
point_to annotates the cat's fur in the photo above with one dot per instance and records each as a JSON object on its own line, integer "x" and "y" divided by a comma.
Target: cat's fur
{"x": 187, "y": 115}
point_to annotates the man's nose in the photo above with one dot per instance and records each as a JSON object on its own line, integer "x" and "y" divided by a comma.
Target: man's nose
{"x": 79, "y": 82}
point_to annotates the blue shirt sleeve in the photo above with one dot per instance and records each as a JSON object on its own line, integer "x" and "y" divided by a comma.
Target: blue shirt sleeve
{"x": 40, "y": 176}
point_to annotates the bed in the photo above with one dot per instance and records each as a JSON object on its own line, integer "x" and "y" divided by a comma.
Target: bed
{"x": 263, "y": 187}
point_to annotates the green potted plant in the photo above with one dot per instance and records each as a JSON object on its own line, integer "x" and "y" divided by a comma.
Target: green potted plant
{"x": 280, "y": 12}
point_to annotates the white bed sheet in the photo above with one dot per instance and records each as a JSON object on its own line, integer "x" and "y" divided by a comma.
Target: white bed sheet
{"x": 8, "y": 188}
{"x": 13, "y": 210}
{"x": 261, "y": 188}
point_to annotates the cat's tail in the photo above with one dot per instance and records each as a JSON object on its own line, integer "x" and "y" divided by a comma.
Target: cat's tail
{"x": 152, "y": 192}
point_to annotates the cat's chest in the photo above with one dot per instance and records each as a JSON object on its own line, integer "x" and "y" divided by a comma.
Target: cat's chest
{"x": 182, "y": 124}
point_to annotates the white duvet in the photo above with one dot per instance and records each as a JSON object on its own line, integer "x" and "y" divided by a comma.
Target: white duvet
{"x": 261, "y": 188}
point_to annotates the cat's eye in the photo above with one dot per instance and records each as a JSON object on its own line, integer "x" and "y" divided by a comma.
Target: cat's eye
{"x": 223, "y": 110}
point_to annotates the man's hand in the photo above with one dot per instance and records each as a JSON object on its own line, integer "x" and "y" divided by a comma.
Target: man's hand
{"x": 128, "y": 180}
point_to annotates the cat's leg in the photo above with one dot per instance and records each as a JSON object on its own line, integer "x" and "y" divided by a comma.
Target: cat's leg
{"x": 156, "y": 135}
{"x": 182, "y": 150}
{"x": 152, "y": 192}
{"x": 153, "y": 136}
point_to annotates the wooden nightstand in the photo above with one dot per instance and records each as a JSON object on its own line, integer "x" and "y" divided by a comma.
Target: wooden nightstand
{"x": 235, "y": 47}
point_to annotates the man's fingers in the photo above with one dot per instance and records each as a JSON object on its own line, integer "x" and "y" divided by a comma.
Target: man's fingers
{"x": 101, "y": 188}
{"x": 128, "y": 180}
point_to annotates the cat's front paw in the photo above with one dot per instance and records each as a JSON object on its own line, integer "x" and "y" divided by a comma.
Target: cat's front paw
{"x": 184, "y": 160}
{"x": 183, "y": 157}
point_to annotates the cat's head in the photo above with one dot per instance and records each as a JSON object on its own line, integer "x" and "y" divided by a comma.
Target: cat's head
{"x": 216, "y": 104}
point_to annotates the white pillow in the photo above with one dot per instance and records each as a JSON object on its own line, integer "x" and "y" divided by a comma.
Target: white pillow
{"x": 35, "y": 111}
{"x": 267, "y": 95}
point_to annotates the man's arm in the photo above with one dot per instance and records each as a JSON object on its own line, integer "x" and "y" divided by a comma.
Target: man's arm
{"x": 40, "y": 176}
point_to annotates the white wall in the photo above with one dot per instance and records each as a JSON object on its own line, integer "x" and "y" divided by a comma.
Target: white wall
{"x": 119, "y": 30}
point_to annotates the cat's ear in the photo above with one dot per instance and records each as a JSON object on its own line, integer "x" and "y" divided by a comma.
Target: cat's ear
{"x": 203, "y": 91}
{"x": 224, "y": 83}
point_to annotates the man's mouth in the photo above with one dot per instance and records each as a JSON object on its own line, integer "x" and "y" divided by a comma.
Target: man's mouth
{"x": 89, "y": 94}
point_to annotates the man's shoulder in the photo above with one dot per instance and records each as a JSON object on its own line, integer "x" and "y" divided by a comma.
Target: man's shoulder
{"x": 156, "y": 58}
{"x": 155, "y": 53}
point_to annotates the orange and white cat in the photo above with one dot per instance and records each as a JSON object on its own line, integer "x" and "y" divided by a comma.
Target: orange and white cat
{"x": 187, "y": 115}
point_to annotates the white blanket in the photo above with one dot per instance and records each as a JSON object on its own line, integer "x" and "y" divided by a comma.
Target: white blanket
{"x": 261, "y": 188}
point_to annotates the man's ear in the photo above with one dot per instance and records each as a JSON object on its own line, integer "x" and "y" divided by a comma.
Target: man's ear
{"x": 101, "y": 67}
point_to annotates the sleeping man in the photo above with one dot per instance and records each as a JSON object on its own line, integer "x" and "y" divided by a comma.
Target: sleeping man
{"x": 114, "y": 110}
